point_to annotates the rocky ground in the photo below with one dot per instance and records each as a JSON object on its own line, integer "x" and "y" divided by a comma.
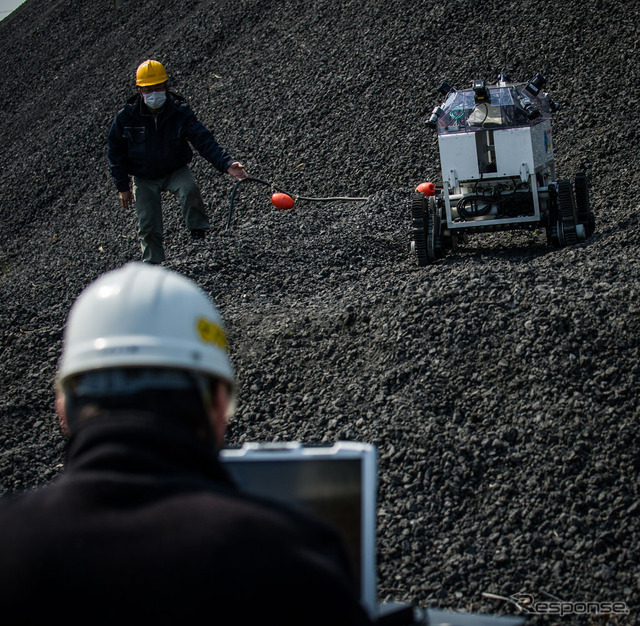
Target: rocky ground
{"x": 499, "y": 385}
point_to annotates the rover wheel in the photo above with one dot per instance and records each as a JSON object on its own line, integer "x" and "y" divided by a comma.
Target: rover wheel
{"x": 549, "y": 230}
{"x": 431, "y": 233}
{"x": 419, "y": 232}
{"x": 436, "y": 209}
{"x": 555, "y": 234}
{"x": 584, "y": 213}
{"x": 567, "y": 212}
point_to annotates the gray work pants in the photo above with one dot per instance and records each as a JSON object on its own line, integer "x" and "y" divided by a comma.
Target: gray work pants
{"x": 148, "y": 199}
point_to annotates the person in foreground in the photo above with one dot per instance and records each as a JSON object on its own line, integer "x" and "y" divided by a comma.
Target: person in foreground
{"x": 144, "y": 526}
{"x": 149, "y": 140}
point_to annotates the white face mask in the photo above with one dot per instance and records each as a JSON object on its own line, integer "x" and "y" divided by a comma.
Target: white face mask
{"x": 155, "y": 99}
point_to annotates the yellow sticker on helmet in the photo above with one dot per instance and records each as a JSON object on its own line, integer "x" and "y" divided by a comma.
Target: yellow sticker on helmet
{"x": 210, "y": 332}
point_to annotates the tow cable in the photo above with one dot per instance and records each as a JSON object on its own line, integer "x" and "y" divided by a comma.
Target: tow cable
{"x": 281, "y": 199}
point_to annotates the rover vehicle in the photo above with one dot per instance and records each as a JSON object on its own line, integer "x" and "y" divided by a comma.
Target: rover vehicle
{"x": 496, "y": 157}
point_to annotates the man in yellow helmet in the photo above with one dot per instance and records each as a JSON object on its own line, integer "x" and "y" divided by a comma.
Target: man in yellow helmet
{"x": 150, "y": 145}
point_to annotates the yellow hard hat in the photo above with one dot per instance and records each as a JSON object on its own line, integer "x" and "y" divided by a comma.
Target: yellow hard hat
{"x": 151, "y": 73}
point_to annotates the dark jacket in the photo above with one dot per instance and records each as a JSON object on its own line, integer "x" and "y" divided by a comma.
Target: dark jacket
{"x": 153, "y": 146}
{"x": 145, "y": 527}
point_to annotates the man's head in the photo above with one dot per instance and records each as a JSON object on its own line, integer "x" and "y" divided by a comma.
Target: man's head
{"x": 143, "y": 337}
{"x": 151, "y": 80}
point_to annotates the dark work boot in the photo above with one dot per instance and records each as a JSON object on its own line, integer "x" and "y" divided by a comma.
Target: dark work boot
{"x": 197, "y": 234}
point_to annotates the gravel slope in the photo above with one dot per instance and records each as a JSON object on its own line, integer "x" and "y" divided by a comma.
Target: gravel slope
{"x": 499, "y": 385}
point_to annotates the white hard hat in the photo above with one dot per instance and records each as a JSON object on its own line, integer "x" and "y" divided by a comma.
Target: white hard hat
{"x": 144, "y": 316}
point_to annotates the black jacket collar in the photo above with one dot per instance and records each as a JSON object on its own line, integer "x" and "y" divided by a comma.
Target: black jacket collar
{"x": 143, "y": 444}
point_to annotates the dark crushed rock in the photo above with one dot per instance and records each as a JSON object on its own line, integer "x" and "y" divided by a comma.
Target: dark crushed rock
{"x": 500, "y": 385}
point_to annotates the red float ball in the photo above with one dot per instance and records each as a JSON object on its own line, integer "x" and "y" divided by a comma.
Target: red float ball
{"x": 428, "y": 189}
{"x": 282, "y": 201}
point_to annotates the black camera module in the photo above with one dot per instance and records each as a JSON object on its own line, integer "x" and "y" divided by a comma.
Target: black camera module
{"x": 480, "y": 90}
{"x": 445, "y": 89}
{"x": 535, "y": 85}
{"x": 437, "y": 112}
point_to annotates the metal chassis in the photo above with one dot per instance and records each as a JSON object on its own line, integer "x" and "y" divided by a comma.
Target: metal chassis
{"x": 488, "y": 225}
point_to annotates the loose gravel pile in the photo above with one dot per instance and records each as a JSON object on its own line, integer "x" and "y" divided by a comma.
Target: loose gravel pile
{"x": 499, "y": 385}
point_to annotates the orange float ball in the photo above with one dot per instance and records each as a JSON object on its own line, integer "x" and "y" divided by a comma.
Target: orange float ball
{"x": 282, "y": 201}
{"x": 428, "y": 189}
